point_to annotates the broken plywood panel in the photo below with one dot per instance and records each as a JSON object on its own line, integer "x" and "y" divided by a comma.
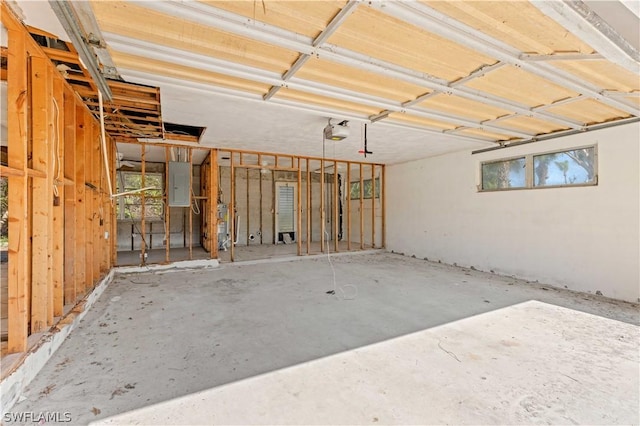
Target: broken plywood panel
{"x": 351, "y": 78}
{"x": 174, "y": 32}
{"x": 303, "y": 17}
{"x": 520, "y": 86}
{"x": 517, "y": 23}
{"x": 588, "y": 111}
{"x": 378, "y": 35}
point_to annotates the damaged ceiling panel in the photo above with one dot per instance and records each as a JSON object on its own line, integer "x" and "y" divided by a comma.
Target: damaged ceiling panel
{"x": 489, "y": 71}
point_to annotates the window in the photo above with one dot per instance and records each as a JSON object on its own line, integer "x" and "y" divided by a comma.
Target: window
{"x": 551, "y": 169}
{"x": 130, "y": 206}
{"x": 504, "y": 174}
{"x": 574, "y": 167}
{"x": 354, "y": 189}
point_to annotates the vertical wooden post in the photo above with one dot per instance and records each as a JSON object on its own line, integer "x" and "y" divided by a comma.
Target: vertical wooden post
{"x": 361, "y": 212}
{"x": 81, "y": 249}
{"x": 309, "y": 211}
{"x": 112, "y": 201}
{"x": 143, "y": 209}
{"x": 336, "y": 222}
{"x": 213, "y": 203}
{"x": 383, "y": 199}
{"x": 299, "y": 210}
{"x": 167, "y": 211}
{"x": 191, "y": 201}
{"x": 42, "y": 197}
{"x": 231, "y": 210}
{"x": 18, "y": 282}
{"x": 261, "y": 206}
{"x": 97, "y": 219}
{"x": 348, "y": 201}
{"x": 322, "y": 202}
{"x": 58, "y": 208}
{"x": 70, "y": 278}
{"x": 248, "y": 223}
{"x": 373, "y": 206}
{"x": 88, "y": 196}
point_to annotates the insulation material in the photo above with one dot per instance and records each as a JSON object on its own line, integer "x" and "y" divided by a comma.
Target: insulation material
{"x": 412, "y": 119}
{"x": 463, "y": 107}
{"x": 517, "y": 23}
{"x": 303, "y": 17}
{"x": 520, "y": 86}
{"x": 324, "y": 101}
{"x": 484, "y": 134}
{"x": 133, "y": 62}
{"x": 531, "y": 125}
{"x": 359, "y": 80}
{"x": 381, "y": 36}
{"x": 166, "y": 30}
{"x": 604, "y": 74}
{"x": 588, "y": 111}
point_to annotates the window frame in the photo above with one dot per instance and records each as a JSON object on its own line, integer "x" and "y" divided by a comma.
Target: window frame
{"x": 374, "y": 196}
{"x": 120, "y": 211}
{"x": 529, "y": 170}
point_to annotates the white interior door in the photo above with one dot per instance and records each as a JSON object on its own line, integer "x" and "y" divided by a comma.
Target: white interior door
{"x": 285, "y": 210}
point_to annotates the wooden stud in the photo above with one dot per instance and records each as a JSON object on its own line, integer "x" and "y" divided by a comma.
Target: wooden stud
{"x": 261, "y": 206}
{"x": 213, "y": 203}
{"x": 81, "y": 250}
{"x": 274, "y": 237}
{"x": 309, "y": 210}
{"x": 58, "y": 209}
{"x": 42, "y": 197}
{"x": 112, "y": 201}
{"x": 143, "y": 210}
{"x": 167, "y": 211}
{"x": 70, "y": 278}
{"x": 348, "y": 201}
{"x": 191, "y": 201}
{"x": 247, "y": 221}
{"x": 231, "y": 210}
{"x": 88, "y": 195}
{"x": 336, "y": 222}
{"x": 299, "y": 211}
{"x": 96, "y": 194}
{"x": 383, "y": 199}
{"x": 18, "y": 282}
{"x": 361, "y": 212}
{"x": 373, "y": 206}
{"x": 322, "y": 203}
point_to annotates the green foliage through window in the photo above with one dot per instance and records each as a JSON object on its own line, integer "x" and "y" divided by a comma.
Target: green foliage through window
{"x": 354, "y": 189}
{"x": 130, "y": 206}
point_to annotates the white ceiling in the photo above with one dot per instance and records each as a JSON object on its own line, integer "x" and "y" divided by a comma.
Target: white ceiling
{"x": 253, "y": 124}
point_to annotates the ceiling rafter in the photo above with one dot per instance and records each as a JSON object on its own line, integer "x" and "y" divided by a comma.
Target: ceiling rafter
{"x": 167, "y": 54}
{"x": 161, "y": 80}
{"x": 415, "y": 13}
{"x": 247, "y": 27}
{"x": 331, "y": 28}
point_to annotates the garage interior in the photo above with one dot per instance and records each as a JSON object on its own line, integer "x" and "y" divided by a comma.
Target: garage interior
{"x": 349, "y": 208}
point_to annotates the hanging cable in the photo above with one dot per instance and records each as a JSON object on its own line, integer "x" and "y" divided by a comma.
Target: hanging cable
{"x": 56, "y": 149}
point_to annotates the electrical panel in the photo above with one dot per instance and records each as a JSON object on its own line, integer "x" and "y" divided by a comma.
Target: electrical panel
{"x": 179, "y": 191}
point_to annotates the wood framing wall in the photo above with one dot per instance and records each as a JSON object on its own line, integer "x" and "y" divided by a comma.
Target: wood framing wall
{"x": 60, "y": 214}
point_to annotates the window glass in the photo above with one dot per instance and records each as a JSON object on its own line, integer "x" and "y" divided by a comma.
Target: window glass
{"x": 354, "y": 190}
{"x": 504, "y": 174}
{"x": 573, "y": 167}
{"x": 130, "y": 206}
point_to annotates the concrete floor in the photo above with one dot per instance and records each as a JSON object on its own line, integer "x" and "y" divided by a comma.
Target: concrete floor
{"x": 152, "y": 338}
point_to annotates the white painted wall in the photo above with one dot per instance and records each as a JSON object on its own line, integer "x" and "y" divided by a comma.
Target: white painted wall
{"x": 435, "y": 211}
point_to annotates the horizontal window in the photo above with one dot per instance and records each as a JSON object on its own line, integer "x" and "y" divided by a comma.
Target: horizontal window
{"x": 354, "y": 190}
{"x": 552, "y": 169}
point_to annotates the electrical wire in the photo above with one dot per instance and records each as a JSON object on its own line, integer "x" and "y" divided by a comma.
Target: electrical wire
{"x": 56, "y": 148}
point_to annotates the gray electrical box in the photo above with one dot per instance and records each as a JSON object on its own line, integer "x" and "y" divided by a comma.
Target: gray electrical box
{"x": 179, "y": 190}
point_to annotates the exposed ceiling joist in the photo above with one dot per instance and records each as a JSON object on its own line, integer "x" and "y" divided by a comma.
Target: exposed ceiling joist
{"x": 248, "y": 27}
{"x": 579, "y": 19}
{"x": 149, "y": 50}
{"x": 413, "y": 12}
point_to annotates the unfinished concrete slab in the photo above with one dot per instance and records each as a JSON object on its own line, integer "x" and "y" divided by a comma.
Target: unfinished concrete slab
{"x": 155, "y": 337}
{"x": 528, "y": 363}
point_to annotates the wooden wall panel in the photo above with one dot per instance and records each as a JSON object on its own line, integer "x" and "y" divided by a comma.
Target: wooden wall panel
{"x": 70, "y": 218}
{"x": 59, "y": 198}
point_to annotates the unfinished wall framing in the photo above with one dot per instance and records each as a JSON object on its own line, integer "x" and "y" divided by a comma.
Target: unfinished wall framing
{"x": 59, "y": 209}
